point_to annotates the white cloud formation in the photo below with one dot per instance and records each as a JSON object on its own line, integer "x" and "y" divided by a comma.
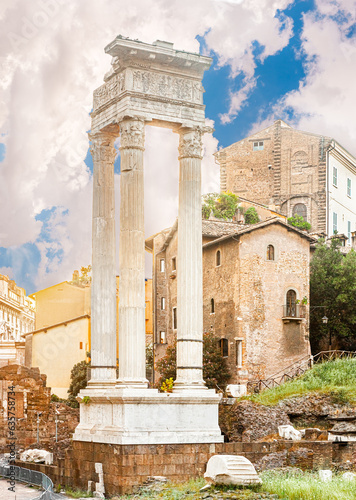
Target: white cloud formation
{"x": 52, "y": 59}
{"x": 325, "y": 101}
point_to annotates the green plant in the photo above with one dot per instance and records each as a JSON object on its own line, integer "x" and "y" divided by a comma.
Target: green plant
{"x": 251, "y": 216}
{"x": 87, "y": 400}
{"x": 215, "y": 370}
{"x": 77, "y": 493}
{"x": 299, "y": 222}
{"x": 221, "y": 205}
{"x": 167, "y": 385}
{"x": 79, "y": 379}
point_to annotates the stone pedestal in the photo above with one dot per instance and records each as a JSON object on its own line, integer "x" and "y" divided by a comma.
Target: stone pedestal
{"x": 145, "y": 416}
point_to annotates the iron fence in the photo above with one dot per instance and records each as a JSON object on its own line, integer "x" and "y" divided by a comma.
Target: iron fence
{"x": 32, "y": 477}
{"x": 294, "y": 311}
{"x": 296, "y": 369}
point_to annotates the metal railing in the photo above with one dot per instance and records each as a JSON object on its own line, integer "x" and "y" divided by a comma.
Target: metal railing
{"x": 32, "y": 477}
{"x": 296, "y": 369}
{"x": 294, "y": 311}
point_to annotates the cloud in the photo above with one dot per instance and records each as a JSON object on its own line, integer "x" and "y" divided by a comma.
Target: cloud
{"x": 325, "y": 101}
{"x": 52, "y": 59}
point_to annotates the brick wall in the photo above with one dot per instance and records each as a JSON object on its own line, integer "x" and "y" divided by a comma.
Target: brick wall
{"x": 128, "y": 466}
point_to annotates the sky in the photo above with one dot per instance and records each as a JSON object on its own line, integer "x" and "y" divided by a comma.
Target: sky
{"x": 272, "y": 59}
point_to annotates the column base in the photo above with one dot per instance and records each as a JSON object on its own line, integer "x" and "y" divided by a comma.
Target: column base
{"x": 145, "y": 416}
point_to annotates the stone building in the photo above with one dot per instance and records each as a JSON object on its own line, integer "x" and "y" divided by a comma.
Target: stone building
{"x": 297, "y": 173}
{"x": 255, "y": 278}
{"x": 17, "y": 317}
{"x": 63, "y": 330}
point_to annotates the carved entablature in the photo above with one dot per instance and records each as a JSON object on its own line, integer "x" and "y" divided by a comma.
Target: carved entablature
{"x": 149, "y": 83}
{"x": 190, "y": 143}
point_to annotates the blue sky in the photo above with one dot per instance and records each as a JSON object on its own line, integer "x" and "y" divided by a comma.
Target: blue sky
{"x": 285, "y": 59}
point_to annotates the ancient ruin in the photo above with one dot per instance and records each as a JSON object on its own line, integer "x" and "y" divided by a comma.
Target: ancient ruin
{"x": 147, "y": 85}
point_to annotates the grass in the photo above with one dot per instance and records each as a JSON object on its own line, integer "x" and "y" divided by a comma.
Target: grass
{"x": 307, "y": 486}
{"x": 288, "y": 485}
{"x": 334, "y": 378}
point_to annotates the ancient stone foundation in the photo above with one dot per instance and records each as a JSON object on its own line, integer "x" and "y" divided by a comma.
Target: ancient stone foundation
{"x": 128, "y": 466}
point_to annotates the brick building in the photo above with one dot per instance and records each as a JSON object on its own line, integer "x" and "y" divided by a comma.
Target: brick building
{"x": 297, "y": 173}
{"x": 254, "y": 278}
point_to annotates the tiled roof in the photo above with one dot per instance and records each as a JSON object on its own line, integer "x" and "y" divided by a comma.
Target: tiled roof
{"x": 217, "y": 228}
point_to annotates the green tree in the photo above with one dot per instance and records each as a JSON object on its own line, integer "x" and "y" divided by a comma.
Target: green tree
{"x": 299, "y": 222}
{"x": 78, "y": 381}
{"x": 332, "y": 294}
{"x": 221, "y": 205}
{"x": 215, "y": 370}
{"x": 251, "y": 216}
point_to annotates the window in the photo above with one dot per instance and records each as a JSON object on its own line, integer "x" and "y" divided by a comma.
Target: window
{"x": 224, "y": 348}
{"x": 80, "y": 345}
{"x": 301, "y": 210}
{"x": 212, "y": 304}
{"x": 349, "y": 187}
{"x": 174, "y": 318}
{"x": 162, "y": 338}
{"x": 163, "y": 303}
{"x": 270, "y": 252}
{"x": 174, "y": 264}
{"x": 335, "y": 176}
{"x": 349, "y": 232}
{"x": 334, "y": 223}
{"x": 291, "y": 303}
{"x": 239, "y": 353}
{"x": 218, "y": 258}
{"x": 258, "y": 146}
{"x": 162, "y": 265}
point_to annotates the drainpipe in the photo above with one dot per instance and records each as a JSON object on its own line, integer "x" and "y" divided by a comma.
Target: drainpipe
{"x": 330, "y": 147}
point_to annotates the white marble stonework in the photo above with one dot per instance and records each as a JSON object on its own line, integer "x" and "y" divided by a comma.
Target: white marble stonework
{"x": 147, "y": 85}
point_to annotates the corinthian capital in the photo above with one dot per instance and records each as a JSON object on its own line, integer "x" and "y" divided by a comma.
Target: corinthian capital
{"x": 132, "y": 134}
{"x": 190, "y": 143}
{"x": 102, "y": 146}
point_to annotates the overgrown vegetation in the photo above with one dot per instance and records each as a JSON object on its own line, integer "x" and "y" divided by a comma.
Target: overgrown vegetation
{"x": 221, "y": 205}
{"x": 251, "y": 216}
{"x": 299, "y": 222}
{"x": 215, "y": 369}
{"x": 335, "y": 378}
{"x": 332, "y": 294}
{"x": 78, "y": 381}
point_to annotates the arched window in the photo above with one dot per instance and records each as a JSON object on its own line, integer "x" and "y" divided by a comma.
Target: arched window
{"x": 270, "y": 252}
{"x": 218, "y": 258}
{"x": 301, "y": 210}
{"x": 212, "y": 306}
{"x": 291, "y": 304}
{"x": 224, "y": 348}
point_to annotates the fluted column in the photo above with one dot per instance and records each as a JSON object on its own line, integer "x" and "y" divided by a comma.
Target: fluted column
{"x": 189, "y": 265}
{"x": 103, "y": 289}
{"x": 132, "y": 342}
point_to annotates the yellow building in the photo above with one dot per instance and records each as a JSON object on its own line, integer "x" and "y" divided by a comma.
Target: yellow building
{"x": 62, "y": 332}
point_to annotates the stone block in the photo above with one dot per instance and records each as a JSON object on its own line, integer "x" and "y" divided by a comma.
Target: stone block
{"x": 288, "y": 432}
{"x": 231, "y": 469}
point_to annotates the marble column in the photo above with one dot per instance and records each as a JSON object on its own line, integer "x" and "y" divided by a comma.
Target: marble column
{"x": 132, "y": 341}
{"x": 103, "y": 289}
{"x": 189, "y": 265}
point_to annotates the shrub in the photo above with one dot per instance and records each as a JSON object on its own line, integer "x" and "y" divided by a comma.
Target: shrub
{"x": 299, "y": 222}
{"x": 251, "y": 216}
{"x": 222, "y": 206}
{"x": 215, "y": 371}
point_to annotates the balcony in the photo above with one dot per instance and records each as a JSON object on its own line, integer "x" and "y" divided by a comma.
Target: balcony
{"x": 294, "y": 312}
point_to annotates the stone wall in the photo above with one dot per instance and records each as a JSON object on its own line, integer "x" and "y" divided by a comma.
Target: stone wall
{"x": 33, "y": 398}
{"x": 128, "y": 466}
{"x": 290, "y": 169}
